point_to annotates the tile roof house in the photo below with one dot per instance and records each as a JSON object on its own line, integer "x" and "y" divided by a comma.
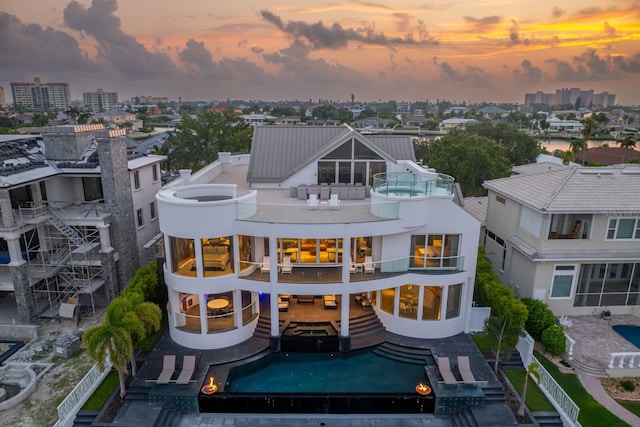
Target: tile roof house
{"x": 567, "y": 235}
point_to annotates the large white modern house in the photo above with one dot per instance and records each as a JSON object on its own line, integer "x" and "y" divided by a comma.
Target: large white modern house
{"x": 316, "y": 215}
{"x": 568, "y": 235}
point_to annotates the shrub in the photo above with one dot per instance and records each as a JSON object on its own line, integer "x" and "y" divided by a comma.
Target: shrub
{"x": 554, "y": 340}
{"x": 628, "y": 385}
{"x": 540, "y": 317}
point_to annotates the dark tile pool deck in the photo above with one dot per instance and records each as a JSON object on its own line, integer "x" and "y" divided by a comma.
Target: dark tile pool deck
{"x": 141, "y": 413}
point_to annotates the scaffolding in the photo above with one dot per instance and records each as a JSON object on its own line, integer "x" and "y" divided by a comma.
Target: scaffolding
{"x": 67, "y": 267}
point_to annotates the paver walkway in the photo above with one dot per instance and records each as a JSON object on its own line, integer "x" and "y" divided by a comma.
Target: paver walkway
{"x": 595, "y": 389}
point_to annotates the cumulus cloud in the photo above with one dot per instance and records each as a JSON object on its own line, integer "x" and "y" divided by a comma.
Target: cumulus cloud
{"x": 589, "y": 65}
{"x": 466, "y": 75}
{"x": 320, "y": 36}
{"x": 629, "y": 63}
{"x": 527, "y": 73}
{"x": 117, "y": 48}
{"x": 49, "y": 51}
{"x": 514, "y": 35}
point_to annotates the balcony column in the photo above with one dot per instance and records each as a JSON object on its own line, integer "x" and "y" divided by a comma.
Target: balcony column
{"x": 105, "y": 238}
{"x": 346, "y": 293}
{"x": 7, "y": 212}
{"x": 273, "y": 279}
{"x": 237, "y": 307}
{"x": 15, "y": 254}
{"x": 204, "y": 313}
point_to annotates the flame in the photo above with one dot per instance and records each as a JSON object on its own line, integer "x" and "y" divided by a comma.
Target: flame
{"x": 211, "y": 384}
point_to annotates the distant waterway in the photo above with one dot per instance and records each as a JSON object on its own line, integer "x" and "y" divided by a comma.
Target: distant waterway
{"x": 565, "y": 144}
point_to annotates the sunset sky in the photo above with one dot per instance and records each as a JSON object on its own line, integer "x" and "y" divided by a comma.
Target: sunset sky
{"x": 481, "y": 50}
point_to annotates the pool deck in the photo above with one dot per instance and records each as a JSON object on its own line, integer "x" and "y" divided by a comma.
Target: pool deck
{"x": 138, "y": 413}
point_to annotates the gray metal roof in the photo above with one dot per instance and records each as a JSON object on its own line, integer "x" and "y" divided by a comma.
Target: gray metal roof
{"x": 277, "y": 152}
{"x": 575, "y": 189}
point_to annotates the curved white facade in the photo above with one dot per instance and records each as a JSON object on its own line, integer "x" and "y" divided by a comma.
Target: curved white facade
{"x": 411, "y": 254}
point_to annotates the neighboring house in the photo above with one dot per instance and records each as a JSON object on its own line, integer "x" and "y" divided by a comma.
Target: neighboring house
{"x": 258, "y": 119}
{"x": 69, "y": 224}
{"x": 567, "y": 235}
{"x": 248, "y": 227}
{"x": 288, "y": 120}
{"x": 115, "y": 118}
{"x": 447, "y": 124}
{"x": 570, "y": 126}
{"x": 372, "y": 122}
{"x": 607, "y": 156}
{"x": 413, "y": 121}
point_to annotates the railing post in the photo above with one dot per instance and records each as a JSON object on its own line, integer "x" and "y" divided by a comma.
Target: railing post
{"x": 610, "y": 366}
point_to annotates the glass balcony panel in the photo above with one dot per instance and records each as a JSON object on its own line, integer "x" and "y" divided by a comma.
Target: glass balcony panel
{"x": 322, "y": 214}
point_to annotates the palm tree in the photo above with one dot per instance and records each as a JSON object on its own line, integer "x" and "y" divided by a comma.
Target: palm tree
{"x": 147, "y": 312}
{"x": 629, "y": 141}
{"x": 504, "y": 330}
{"x": 577, "y": 145}
{"x": 112, "y": 338}
{"x": 589, "y": 126}
{"x": 72, "y": 113}
{"x": 532, "y": 369}
{"x": 567, "y": 157}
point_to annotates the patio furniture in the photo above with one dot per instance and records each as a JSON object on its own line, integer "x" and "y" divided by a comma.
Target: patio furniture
{"x": 265, "y": 266}
{"x": 188, "y": 366}
{"x": 306, "y": 299}
{"x": 465, "y": 371}
{"x": 313, "y": 201}
{"x": 352, "y": 267}
{"x": 365, "y": 303}
{"x": 334, "y": 202}
{"x": 330, "y": 302}
{"x": 445, "y": 371}
{"x": 168, "y": 366}
{"x": 368, "y": 265}
{"x": 282, "y": 304}
{"x": 286, "y": 265}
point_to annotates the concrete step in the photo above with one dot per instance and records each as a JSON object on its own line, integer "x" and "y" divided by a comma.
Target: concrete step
{"x": 547, "y": 419}
{"x": 589, "y": 366}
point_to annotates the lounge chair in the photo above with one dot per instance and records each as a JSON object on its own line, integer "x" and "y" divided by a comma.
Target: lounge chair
{"x": 445, "y": 370}
{"x": 330, "y": 302}
{"x": 168, "y": 366}
{"x": 188, "y": 366}
{"x": 369, "y": 267}
{"x": 265, "y": 267}
{"x": 286, "y": 265}
{"x": 465, "y": 370}
{"x": 283, "y": 305}
{"x": 313, "y": 201}
{"x": 334, "y": 202}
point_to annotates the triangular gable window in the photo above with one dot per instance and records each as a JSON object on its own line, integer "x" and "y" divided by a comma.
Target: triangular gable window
{"x": 360, "y": 151}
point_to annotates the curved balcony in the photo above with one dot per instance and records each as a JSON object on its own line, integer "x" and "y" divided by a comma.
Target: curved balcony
{"x": 332, "y": 273}
{"x": 408, "y": 185}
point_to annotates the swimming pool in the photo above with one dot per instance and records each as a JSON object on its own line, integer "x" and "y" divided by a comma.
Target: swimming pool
{"x": 355, "y": 372}
{"x": 355, "y": 382}
{"x": 629, "y": 332}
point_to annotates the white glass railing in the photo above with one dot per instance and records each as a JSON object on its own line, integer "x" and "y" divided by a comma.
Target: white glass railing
{"x": 322, "y": 213}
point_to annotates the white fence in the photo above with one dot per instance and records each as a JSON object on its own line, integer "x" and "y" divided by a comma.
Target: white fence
{"x": 478, "y": 317}
{"x": 560, "y": 400}
{"x": 70, "y": 406}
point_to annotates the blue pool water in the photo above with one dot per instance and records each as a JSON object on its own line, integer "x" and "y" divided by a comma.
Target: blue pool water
{"x": 629, "y": 332}
{"x": 354, "y": 372}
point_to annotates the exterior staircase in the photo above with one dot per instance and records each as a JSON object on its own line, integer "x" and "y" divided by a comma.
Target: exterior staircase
{"x": 366, "y": 331}
{"x": 464, "y": 418}
{"x": 405, "y": 354}
{"x": 589, "y": 366}
{"x": 57, "y": 222}
{"x": 85, "y": 418}
{"x": 547, "y": 419}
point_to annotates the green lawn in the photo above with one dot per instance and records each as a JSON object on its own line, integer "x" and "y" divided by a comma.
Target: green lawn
{"x": 485, "y": 341}
{"x": 592, "y": 414}
{"x": 102, "y": 394}
{"x": 536, "y": 400}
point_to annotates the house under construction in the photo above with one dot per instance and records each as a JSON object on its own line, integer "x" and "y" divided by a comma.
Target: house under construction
{"x": 71, "y": 204}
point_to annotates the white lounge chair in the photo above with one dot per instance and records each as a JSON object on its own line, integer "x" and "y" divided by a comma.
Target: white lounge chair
{"x": 313, "y": 201}
{"x": 188, "y": 366}
{"x": 369, "y": 267}
{"x": 286, "y": 265}
{"x": 265, "y": 267}
{"x": 283, "y": 305}
{"x": 168, "y": 366}
{"x": 465, "y": 370}
{"x": 334, "y": 202}
{"x": 445, "y": 370}
{"x": 330, "y": 302}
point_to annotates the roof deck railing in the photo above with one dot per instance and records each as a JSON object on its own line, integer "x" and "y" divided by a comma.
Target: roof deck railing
{"x": 406, "y": 184}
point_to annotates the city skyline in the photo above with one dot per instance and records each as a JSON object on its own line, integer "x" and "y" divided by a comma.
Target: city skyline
{"x": 494, "y": 51}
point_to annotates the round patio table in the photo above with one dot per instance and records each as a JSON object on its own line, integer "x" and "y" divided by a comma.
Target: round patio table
{"x": 217, "y": 304}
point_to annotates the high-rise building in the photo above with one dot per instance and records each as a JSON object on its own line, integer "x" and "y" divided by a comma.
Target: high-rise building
{"x": 100, "y": 100}
{"x": 3, "y": 100}
{"x": 570, "y": 96}
{"x": 42, "y": 96}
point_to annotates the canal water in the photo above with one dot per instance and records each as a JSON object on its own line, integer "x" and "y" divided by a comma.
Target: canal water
{"x": 564, "y": 144}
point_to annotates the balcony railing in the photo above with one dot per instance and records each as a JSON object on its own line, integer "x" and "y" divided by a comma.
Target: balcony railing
{"x": 323, "y": 213}
{"x": 412, "y": 185}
